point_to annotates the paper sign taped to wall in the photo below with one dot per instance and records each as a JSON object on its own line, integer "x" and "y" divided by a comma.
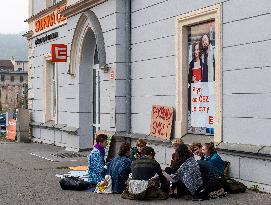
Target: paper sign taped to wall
{"x": 202, "y": 104}
{"x": 161, "y": 121}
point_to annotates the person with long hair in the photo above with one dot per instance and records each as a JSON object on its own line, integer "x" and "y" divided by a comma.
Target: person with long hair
{"x": 188, "y": 177}
{"x": 208, "y": 57}
{"x": 198, "y": 71}
{"x": 197, "y": 178}
{"x": 174, "y": 164}
{"x": 211, "y": 156}
{"x": 196, "y": 149}
{"x": 119, "y": 168}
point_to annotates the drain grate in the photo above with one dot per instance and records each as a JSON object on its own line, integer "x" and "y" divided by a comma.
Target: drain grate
{"x": 67, "y": 155}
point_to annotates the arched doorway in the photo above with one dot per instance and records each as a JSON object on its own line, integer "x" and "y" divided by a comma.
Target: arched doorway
{"x": 86, "y": 59}
{"x": 89, "y": 89}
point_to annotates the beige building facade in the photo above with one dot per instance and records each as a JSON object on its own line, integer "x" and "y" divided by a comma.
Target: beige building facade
{"x": 13, "y": 85}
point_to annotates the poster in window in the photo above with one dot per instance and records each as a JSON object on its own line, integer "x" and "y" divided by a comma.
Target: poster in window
{"x": 201, "y": 78}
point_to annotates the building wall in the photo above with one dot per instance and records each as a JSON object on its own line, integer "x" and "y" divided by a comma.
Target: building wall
{"x": 246, "y": 65}
{"x": 246, "y": 74}
{"x": 246, "y": 71}
{"x": 37, "y": 59}
{"x": 37, "y": 6}
{"x": 110, "y": 16}
{"x": 21, "y": 65}
{"x": 153, "y": 55}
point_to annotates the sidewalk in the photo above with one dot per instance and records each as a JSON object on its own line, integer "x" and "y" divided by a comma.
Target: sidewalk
{"x": 29, "y": 179}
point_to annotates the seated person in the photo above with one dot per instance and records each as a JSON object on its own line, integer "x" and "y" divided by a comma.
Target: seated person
{"x": 96, "y": 160}
{"x": 119, "y": 168}
{"x": 196, "y": 148}
{"x": 198, "y": 178}
{"x": 211, "y": 156}
{"x": 136, "y": 151}
{"x": 188, "y": 177}
{"x": 213, "y": 180}
{"x": 144, "y": 171}
{"x": 174, "y": 164}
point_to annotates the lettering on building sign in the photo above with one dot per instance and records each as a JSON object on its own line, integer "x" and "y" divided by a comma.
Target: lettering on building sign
{"x": 46, "y": 38}
{"x": 161, "y": 121}
{"x": 50, "y": 20}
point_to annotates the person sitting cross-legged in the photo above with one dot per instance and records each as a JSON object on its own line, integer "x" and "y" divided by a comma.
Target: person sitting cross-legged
{"x": 147, "y": 181}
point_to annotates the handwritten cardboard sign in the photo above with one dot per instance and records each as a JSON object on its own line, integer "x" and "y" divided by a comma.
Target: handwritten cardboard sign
{"x": 161, "y": 121}
{"x": 11, "y": 129}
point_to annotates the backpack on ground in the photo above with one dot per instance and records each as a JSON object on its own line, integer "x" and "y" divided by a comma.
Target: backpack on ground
{"x": 232, "y": 186}
{"x": 73, "y": 183}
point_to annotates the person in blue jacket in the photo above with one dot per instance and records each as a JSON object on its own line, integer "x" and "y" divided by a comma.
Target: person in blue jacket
{"x": 211, "y": 156}
{"x": 96, "y": 160}
{"x": 119, "y": 168}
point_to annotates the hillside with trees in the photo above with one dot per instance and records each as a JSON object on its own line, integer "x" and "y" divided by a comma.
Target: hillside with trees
{"x": 13, "y": 45}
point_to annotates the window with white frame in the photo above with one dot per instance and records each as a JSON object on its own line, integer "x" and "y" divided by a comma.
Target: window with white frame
{"x": 199, "y": 91}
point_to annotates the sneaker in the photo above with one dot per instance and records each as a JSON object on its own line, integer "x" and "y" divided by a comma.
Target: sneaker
{"x": 218, "y": 194}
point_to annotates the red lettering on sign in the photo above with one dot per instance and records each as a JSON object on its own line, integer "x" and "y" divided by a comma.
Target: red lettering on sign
{"x": 161, "y": 121}
{"x": 196, "y": 90}
{"x": 211, "y": 120}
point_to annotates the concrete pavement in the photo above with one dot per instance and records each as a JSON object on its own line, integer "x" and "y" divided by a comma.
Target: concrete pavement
{"x": 28, "y": 179}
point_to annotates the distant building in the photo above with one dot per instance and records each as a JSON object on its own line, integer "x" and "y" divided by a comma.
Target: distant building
{"x": 19, "y": 65}
{"x": 13, "y": 84}
{"x": 6, "y": 65}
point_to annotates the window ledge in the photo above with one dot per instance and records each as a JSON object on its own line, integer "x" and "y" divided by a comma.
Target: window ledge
{"x": 188, "y": 139}
{"x": 245, "y": 149}
{"x": 52, "y": 125}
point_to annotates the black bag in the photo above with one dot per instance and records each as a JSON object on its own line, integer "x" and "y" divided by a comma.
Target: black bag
{"x": 73, "y": 183}
{"x": 232, "y": 186}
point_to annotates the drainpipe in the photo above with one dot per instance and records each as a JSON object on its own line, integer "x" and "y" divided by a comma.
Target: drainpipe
{"x": 128, "y": 64}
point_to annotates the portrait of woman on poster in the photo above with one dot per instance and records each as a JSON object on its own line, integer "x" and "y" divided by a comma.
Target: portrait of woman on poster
{"x": 198, "y": 71}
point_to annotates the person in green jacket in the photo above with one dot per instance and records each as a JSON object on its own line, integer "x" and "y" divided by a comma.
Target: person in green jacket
{"x": 211, "y": 156}
{"x": 136, "y": 151}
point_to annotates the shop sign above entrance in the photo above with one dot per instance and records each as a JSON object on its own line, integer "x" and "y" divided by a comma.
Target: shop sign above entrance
{"x": 50, "y": 20}
{"x": 59, "y": 53}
